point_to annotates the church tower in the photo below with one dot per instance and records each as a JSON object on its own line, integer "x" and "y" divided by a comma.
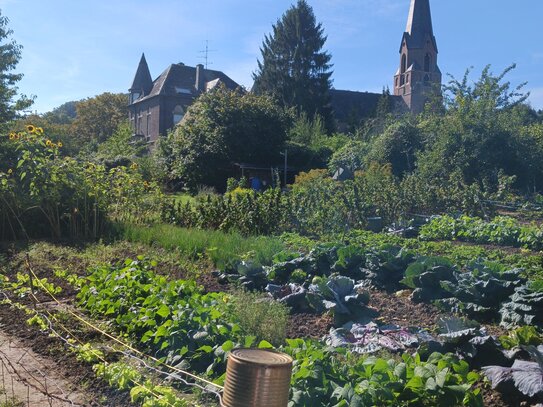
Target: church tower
{"x": 418, "y": 77}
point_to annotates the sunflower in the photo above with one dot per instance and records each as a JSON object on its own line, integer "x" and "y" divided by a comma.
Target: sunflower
{"x": 30, "y": 128}
{"x": 48, "y": 143}
{"x": 59, "y": 144}
{"x": 39, "y": 130}
{"x": 10, "y": 171}
{"x": 12, "y": 136}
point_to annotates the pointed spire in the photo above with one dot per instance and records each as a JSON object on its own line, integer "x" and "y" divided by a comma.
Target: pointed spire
{"x": 142, "y": 80}
{"x": 419, "y": 23}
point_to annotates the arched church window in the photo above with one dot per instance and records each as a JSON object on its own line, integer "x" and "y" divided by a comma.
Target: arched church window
{"x": 426, "y": 79}
{"x": 404, "y": 63}
{"x": 427, "y": 61}
{"x": 178, "y": 114}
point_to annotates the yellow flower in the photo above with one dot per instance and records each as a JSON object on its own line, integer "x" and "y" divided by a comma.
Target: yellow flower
{"x": 134, "y": 166}
{"x": 12, "y": 136}
{"x": 39, "y": 130}
{"x": 31, "y": 128}
{"x": 10, "y": 171}
{"x": 48, "y": 143}
{"x": 59, "y": 144}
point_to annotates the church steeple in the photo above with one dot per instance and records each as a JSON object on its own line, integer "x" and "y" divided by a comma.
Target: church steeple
{"x": 418, "y": 77}
{"x": 142, "y": 83}
{"x": 419, "y": 23}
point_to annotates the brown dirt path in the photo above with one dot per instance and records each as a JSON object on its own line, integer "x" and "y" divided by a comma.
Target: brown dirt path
{"x": 32, "y": 379}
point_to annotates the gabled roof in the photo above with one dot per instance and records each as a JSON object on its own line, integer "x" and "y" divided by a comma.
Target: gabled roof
{"x": 419, "y": 27}
{"x": 181, "y": 79}
{"x": 142, "y": 80}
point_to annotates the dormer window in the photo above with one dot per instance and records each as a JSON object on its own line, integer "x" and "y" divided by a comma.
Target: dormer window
{"x": 182, "y": 91}
{"x": 135, "y": 96}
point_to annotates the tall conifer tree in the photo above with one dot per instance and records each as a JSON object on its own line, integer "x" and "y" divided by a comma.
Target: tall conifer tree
{"x": 294, "y": 68}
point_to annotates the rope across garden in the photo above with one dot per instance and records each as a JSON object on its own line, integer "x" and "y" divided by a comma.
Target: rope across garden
{"x": 210, "y": 387}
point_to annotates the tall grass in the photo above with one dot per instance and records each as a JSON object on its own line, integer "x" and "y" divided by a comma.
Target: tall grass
{"x": 223, "y": 249}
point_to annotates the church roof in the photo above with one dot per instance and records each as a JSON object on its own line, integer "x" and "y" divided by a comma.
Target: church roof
{"x": 142, "y": 80}
{"x": 348, "y": 105}
{"x": 419, "y": 24}
{"x": 181, "y": 79}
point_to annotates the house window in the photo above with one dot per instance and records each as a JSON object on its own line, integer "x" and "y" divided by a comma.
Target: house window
{"x": 182, "y": 90}
{"x": 178, "y": 114}
{"x": 138, "y": 122}
{"x": 148, "y": 121}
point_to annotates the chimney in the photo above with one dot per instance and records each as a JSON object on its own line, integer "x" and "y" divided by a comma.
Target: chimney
{"x": 200, "y": 82}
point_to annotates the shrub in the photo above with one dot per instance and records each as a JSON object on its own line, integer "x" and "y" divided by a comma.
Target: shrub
{"x": 45, "y": 194}
{"x": 260, "y": 316}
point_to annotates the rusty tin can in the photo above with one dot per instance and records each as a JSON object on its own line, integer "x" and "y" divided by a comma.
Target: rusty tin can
{"x": 257, "y": 378}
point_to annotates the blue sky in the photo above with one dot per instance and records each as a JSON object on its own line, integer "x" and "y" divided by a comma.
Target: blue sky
{"x": 80, "y": 48}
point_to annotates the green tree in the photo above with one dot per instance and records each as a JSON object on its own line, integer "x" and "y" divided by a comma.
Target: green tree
{"x": 99, "y": 117}
{"x": 351, "y": 156}
{"x": 121, "y": 144}
{"x": 294, "y": 69}
{"x": 63, "y": 114}
{"x": 397, "y": 146}
{"x": 225, "y": 127}
{"x": 480, "y": 138}
{"x": 10, "y": 54}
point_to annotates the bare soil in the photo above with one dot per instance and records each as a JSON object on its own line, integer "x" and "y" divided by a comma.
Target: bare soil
{"x": 55, "y": 371}
{"x": 35, "y": 380}
{"x": 309, "y": 326}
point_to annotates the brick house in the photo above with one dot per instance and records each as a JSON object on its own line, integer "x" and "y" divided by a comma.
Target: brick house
{"x": 157, "y": 106}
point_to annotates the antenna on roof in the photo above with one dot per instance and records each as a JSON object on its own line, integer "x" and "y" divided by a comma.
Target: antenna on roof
{"x": 206, "y": 52}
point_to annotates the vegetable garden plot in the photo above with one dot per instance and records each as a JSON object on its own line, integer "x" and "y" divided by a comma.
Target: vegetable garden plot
{"x": 128, "y": 295}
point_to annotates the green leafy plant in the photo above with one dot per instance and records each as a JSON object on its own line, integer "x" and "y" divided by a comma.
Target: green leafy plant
{"x": 325, "y": 378}
{"x": 258, "y": 315}
{"x": 151, "y": 395}
{"x": 88, "y": 353}
{"x": 500, "y": 231}
{"x": 118, "y": 374}
{"x": 523, "y": 336}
